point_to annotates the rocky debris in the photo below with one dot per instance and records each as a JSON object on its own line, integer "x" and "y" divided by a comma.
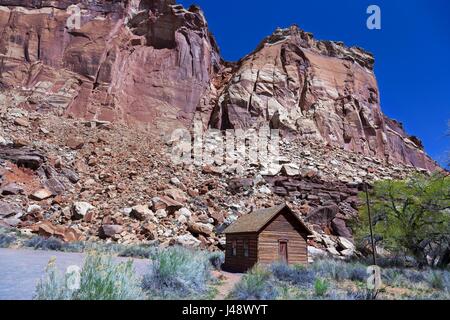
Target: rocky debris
{"x": 21, "y": 122}
{"x": 132, "y": 167}
{"x": 110, "y": 162}
{"x": 141, "y": 212}
{"x": 187, "y": 240}
{"x": 74, "y": 143}
{"x": 11, "y": 189}
{"x": 289, "y": 81}
{"x": 8, "y": 210}
{"x": 166, "y": 203}
{"x": 23, "y": 157}
{"x": 177, "y": 195}
{"x": 41, "y": 194}
{"x": 71, "y": 175}
{"x": 34, "y": 208}
{"x": 204, "y": 229}
{"x": 110, "y": 231}
{"x": 340, "y": 228}
{"x": 47, "y": 229}
{"x": 345, "y": 244}
{"x": 80, "y": 209}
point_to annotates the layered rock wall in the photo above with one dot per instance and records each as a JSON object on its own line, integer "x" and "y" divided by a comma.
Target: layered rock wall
{"x": 155, "y": 63}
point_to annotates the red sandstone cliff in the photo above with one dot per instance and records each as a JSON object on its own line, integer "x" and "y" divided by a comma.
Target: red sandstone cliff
{"x": 156, "y": 63}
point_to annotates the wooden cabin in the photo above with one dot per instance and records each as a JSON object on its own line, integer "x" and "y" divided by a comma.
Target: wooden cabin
{"x": 265, "y": 236}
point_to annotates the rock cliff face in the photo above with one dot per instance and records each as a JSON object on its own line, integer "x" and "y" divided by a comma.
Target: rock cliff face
{"x": 136, "y": 61}
{"x": 318, "y": 89}
{"x": 152, "y": 62}
{"x": 77, "y": 158}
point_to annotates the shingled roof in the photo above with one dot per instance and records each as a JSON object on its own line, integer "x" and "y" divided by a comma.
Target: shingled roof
{"x": 255, "y": 221}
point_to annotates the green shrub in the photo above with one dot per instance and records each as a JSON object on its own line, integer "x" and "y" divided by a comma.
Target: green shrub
{"x": 177, "y": 273}
{"x": 406, "y": 278}
{"x": 407, "y": 212}
{"x": 41, "y": 243}
{"x": 217, "y": 259}
{"x": 321, "y": 287}
{"x": 436, "y": 281}
{"x": 6, "y": 240}
{"x": 257, "y": 284}
{"x": 101, "y": 279}
{"x": 340, "y": 270}
{"x": 297, "y": 275}
{"x": 53, "y": 285}
{"x": 136, "y": 251}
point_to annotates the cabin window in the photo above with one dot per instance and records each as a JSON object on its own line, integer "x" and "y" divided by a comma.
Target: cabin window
{"x": 234, "y": 247}
{"x": 245, "y": 248}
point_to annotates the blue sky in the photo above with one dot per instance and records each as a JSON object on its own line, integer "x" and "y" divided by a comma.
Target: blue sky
{"x": 412, "y": 50}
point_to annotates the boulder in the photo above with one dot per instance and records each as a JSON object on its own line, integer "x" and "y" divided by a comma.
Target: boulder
{"x": 187, "y": 240}
{"x": 80, "y": 209}
{"x": 9, "y": 210}
{"x": 291, "y": 169}
{"x": 149, "y": 231}
{"x": 345, "y": 244}
{"x": 41, "y": 194}
{"x": 74, "y": 143}
{"x": 109, "y": 230}
{"x": 323, "y": 215}
{"x": 347, "y": 252}
{"x": 3, "y": 142}
{"x": 197, "y": 228}
{"x": 177, "y": 195}
{"x": 34, "y": 208}
{"x": 209, "y": 169}
{"x": 333, "y": 251}
{"x": 340, "y": 228}
{"x": 11, "y": 222}
{"x": 185, "y": 212}
{"x": 141, "y": 212}
{"x": 23, "y": 157}
{"x": 161, "y": 213}
{"x": 22, "y": 122}
{"x": 71, "y": 175}
{"x": 47, "y": 229}
{"x": 167, "y": 203}
{"x": 11, "y": 189}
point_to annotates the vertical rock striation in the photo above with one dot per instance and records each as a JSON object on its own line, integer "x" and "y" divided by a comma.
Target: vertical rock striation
{"x": 155, "y": 63}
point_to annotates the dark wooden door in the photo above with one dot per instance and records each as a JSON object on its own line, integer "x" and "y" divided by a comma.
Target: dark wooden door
{"x": 283, "y": 250}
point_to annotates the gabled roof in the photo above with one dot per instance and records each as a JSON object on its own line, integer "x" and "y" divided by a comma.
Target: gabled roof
{"x": 255, "y": 221}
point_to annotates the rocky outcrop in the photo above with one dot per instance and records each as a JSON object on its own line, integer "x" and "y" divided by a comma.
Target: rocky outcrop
{"x": 78, "y": 163}
{"x": 136, "y": 61}
{"x": 155, "y": 63}
{"x": 317, "y": 89}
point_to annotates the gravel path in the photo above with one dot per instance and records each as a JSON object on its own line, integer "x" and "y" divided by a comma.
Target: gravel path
{"x": 229, "y": 281}
{"x": 21, "y": 269}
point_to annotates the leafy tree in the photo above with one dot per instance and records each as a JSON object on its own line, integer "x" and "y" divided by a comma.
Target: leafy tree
{"x": 410, "y": 217}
